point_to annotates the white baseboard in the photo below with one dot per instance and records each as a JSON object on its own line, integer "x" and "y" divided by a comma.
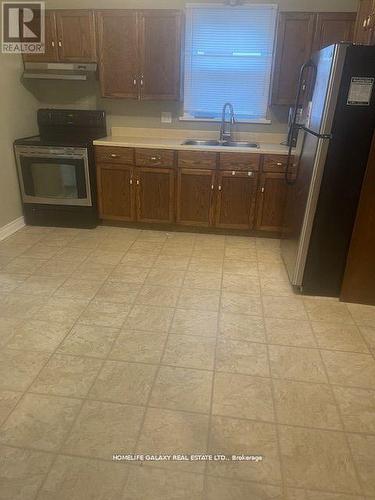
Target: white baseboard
{"x": 11, "y": 228}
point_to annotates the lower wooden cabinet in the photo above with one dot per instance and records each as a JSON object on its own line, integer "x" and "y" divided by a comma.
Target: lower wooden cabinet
{"x": 155, "y": 194}
{"x": 202, "y": 197}
{"x": 235, "y": 207}
{"x": 195, "y": 193}
{"x": 130, "y": 193}
{"x": 115, "y": 190}
{"x": 271, "y": 202}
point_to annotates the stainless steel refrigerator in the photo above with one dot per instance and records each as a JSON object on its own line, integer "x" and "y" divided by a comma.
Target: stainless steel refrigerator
{"x": 322, "y": 199}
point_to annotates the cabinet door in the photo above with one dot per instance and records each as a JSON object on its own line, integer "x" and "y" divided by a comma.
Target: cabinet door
{"x": 235, "y": 206}
{"x": 155, "y": 194}
{"x": 50, "y": 54}
{"x": 118, "y": 53}
{"x": 115, "y": 190}
{"x": 333, "y": 27}
{"x": 294, "y": 43}
{"x": 271, "y": 202}
{"x": 160, "y": 47}
{"x": 363, "y": 23}
{"x": 195, "y": 194}
{"x": 76, "y": 35}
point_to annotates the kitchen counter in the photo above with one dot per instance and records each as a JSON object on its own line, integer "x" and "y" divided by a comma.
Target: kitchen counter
{"x": 176, "y": 144}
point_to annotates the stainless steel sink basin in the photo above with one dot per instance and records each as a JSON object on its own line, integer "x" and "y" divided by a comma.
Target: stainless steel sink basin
{"x": 228, "y": 144}
{"x": 196, "y": 142}
{"x": 240, "y": 144}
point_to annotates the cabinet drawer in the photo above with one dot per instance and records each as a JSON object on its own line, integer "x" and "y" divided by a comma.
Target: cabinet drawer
{"x": 239, "y": 161}
{"x": 114, "y": 154}
{"x": 154, "y": 158}
{"x": 197, "y": 159}
{"x": 275, "y": 163}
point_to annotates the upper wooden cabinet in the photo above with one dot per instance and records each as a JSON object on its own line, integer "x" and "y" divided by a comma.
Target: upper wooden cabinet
{"x": 294, "y": 45}
{"x": 365, "y": 25}
{"x": 69, "y": 37}
{"x": 160, "y": 50}
{"x": 76, "y": 35}
{"x": 118, "y": 53}
{"x": 299, "y": 35}
{"x": 333, "y": 27}
{"x": 139, "y": 53}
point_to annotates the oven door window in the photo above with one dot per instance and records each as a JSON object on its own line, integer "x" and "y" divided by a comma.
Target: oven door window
{"x": 54, "y": 180}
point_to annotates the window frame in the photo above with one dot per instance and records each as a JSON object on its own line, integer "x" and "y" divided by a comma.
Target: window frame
{"x": 260, "y": 121}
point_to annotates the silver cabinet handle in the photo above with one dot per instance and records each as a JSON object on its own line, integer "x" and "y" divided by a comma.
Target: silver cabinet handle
{"x": 135, "y": 82}
{"x": 263, "y": 190}
{"x": 250, "y": 174}
{"x": 138, "y": 183}
{"x": 233, "y": 172}
{"x": 60, "y": 43}
{"x": 279, "y": 164}
{"x": 212, "y": 187}
{"x": 219, "y": 188}
{"x": 142, "y": 80}
{"x": 113, "y": 155}
{"x": 52, "y": 44}
{"x": 131, "y": 182}
{"x": 155, "y": 158}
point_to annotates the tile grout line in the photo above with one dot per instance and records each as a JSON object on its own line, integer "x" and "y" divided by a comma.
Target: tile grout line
{"x": 339, "y": 413}
{"x": 276, "y": 422}
{"x": 157, "y": 371}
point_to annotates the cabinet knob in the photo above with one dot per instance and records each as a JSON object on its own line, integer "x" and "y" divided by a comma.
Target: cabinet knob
{"x": 60, "y": 43}
{"x": 135, "y": 82}
{"x": 279, "y": 164}
{"x": 250, "y": 174}
{"x": 263, "y": 189}
{"x": 219, "y": 188}
{"x": 142, "y": 80}
{"x": 52, "y": 43}
{"x": 212, "y": 187}
{"x": 138, "y": 183}
{"x": 131, "y": 182}
{"x": 155, "y": 158}
{"x": 233, "y": 172}
{"x": 113, "y": 155}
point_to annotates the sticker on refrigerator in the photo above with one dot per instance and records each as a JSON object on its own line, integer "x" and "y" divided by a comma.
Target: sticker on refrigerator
{"x": 360, "y": 91}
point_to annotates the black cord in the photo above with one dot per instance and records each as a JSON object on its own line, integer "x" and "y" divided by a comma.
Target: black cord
{"x": 294, "y": 125}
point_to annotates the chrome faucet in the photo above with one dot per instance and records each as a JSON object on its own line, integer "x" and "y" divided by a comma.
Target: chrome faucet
{"x": 226, "y": 133}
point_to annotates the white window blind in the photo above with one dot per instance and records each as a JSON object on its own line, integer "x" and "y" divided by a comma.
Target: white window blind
{"x": 228, "y": 58}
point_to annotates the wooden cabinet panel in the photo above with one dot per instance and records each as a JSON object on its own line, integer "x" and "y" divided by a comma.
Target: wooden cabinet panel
{"x": 118, "y": 53}
{"x": 195, "y": 192}
{"x": 51, "y": 53}
{"x": 197, "y": 159}
{"x": 333, "y": 27}
{"x": 271, "y": 202}
{"x": 236, "y": 199}
{"x": 154, "y": 158}
{"x": 294, "y": 44}
{"x": 155, "y": 195}
{"x": 160, "y": 45}
{"x": 114, "y": 154}
{"x": 76, "y": 35}
{"x": 239, "y": 161}
{"x": 275, "y": 163}
{"x": 365, "y": 24}
{"x": 115, "y": 189}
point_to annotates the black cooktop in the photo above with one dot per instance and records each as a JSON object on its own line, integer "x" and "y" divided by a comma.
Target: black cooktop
{"x": 67, "y": 128}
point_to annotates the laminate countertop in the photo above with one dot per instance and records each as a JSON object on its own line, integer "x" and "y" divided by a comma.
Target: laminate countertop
{"x": 176, "y": 144}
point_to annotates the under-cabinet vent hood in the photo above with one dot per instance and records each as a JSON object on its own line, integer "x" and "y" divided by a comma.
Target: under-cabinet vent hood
{"x": 60, "y": 71}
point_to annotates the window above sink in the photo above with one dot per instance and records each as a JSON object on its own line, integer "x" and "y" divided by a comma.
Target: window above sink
{"x": 228, "y": 58}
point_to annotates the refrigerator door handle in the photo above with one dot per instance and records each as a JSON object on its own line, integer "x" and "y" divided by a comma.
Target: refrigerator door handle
{"x": 320, "y": 136}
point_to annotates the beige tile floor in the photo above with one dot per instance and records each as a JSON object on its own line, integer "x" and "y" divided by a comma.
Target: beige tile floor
{"x": 120, "y": 341}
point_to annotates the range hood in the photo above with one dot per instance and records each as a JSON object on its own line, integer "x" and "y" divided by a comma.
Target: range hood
{"x": 60, "y": 71}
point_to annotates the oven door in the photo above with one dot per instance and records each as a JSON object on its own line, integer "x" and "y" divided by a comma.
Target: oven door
{"x": 54, "y": 176}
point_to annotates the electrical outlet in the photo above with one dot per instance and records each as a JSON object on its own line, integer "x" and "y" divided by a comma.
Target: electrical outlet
{"x": 166, "y": 117}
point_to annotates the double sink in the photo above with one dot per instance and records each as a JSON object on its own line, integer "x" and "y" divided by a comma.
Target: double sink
{"x": 228, "y": 144}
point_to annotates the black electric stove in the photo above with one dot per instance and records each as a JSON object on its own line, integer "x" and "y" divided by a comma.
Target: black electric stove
{"x": 56, "y": 169}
